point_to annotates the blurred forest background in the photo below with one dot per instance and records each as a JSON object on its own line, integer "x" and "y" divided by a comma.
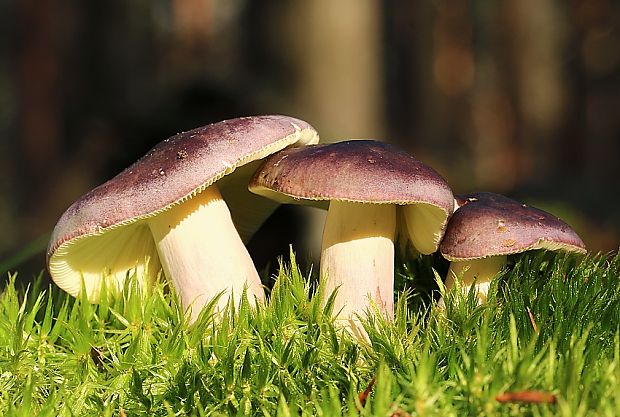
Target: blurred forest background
{"x": 520, "y": 97}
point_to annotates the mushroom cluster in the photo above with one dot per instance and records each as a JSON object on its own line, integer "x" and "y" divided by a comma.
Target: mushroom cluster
{"x": 189, "y": 205}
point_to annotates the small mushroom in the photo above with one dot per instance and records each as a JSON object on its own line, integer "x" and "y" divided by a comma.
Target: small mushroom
{"x": 488, "y": 227}
{"x": 170, "y": 209}
{"x": 364, "y": 183}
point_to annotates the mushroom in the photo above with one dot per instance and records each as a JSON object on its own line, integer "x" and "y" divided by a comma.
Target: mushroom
{"x": 169, "y": 209}
{"x": 487, "y": 228}
{"x": 364, "y": 183}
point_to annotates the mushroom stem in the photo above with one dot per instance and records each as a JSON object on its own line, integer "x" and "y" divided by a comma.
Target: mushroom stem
{"x": 357, "y": 257}
{"x": 202, "y": 253}
{"x": 477, "y": 272}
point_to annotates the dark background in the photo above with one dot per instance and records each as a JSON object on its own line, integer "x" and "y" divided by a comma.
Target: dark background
{"x": 520, "y": 97}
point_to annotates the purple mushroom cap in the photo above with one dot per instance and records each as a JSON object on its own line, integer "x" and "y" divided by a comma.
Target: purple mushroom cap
{"x": 488, "y": 224}
{"x": 364, "y": 171}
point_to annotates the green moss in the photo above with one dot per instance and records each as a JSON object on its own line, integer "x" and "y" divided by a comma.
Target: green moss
{"x": 60, "y": 356}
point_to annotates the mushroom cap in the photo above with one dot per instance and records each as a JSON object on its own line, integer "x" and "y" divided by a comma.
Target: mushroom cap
{"x": 489, "y": 224}
{"x": 110, "y": 218}
{"x": 363, "y": 171}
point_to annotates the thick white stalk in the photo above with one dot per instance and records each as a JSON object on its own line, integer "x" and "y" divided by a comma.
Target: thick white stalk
{"x": 357, "y": 257}
{"x": 202, "y": 253}
{"x": 477, "y": 272}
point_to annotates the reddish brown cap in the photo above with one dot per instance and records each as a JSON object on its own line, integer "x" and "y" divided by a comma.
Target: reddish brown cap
{"x": 363, "y": 171}
{"x": 173, "y": 171}
{"x": 488, "y": 224}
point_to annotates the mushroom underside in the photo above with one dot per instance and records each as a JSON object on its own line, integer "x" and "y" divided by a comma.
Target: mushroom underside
{"x": 108, "y": 257}
{"x": 425, "y": 224}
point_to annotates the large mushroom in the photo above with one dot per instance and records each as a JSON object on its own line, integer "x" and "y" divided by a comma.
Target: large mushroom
{"x": 363, "y": 183}
{"x": 488, "y": 227}
{"x": 170, "y": 208}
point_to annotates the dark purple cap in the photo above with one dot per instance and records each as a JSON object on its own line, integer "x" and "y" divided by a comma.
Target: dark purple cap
{"x": 362, "y": 171}
{"x": 488, "y": 224}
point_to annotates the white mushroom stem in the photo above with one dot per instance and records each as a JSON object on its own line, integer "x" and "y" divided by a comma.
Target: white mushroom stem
{"x": 202, "y": 253}
{"x": 477, "y": 273}
{"x": 357, "y": 257}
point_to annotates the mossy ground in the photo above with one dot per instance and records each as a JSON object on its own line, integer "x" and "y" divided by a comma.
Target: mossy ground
{"x": 552, "y": 324}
